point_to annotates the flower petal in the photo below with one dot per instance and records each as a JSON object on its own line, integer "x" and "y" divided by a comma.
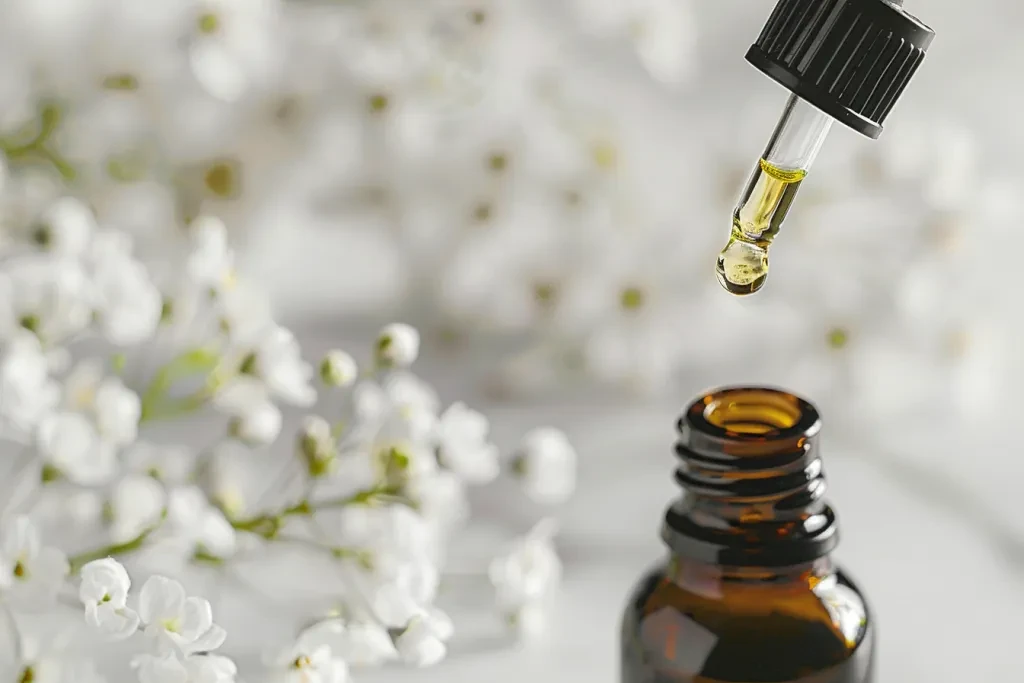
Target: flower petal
{"x": 198, "y": 619}
{"x": 20, "y": 539}
{"x": 209, "y": 641}
{"x": 161, "y": 598}
{"x": 113, "y": 624}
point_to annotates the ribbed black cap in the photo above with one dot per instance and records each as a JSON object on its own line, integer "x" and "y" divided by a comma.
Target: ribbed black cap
{"x": 849, "y": 58}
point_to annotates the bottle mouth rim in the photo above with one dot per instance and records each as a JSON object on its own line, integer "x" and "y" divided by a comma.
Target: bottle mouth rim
{"x": 753, "y": 414}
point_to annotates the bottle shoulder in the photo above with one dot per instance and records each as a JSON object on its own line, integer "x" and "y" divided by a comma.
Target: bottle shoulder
{"x": 728, "y": 632}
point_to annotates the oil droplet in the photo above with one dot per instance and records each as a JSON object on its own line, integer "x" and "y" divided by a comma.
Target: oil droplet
{"x": 742, "y": 267}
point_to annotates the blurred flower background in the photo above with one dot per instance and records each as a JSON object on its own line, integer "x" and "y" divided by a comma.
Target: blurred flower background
{"x": 539, "y": 188}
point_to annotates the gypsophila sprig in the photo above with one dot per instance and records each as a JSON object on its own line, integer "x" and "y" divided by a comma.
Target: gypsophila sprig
{"x": 146, "y": 386}
{"x": 375, "y": 487}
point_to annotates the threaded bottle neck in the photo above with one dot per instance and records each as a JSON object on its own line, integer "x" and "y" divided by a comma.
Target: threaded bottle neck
{"x": 752, "y": 481}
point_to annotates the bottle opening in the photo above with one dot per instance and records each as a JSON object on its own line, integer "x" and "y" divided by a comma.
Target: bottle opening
{"x": 752, "y": 413}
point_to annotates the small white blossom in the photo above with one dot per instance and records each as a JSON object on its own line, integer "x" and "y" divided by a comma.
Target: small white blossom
{"x": 231, "y": 48}
{"x": 397, "y": 345}
{"x": 197, "y": 523}
{"x": 440, "y": 498}
{"x": 271, "y": 364}
{"x": 65, "y": 227}
{"x": 104, "y": 592}
{"x": 44, "y": 659}
{"x": 259, "y": 425}
{"x": 127, "y": 303}
{"x": 529, "y": 621}
{"x": 71, "y": 444}
{"x": 403, "y": 406}
{"x": 135, "y": 506}
{"x": 392, "y": 604}
{"x": 546, "y": 464}
{"x": 421, "y": 644}
{"x": 310, "y": 663}
{"x": 174, "y": 619}
{"x": 47, "y": 295}
{"x": 528, "y": 573}
{"x": 118, "y": 410}
{"x": 360, "y": 642}
{"x": 210, "y": 263}
{"x": 338, "y": 369}
{"x": 81, "y": 384}
{"x": 30, "y": 572}
{"x": 317, "y": 446}
{"x": 27, "y": 393}
{"x": 463, "y": 446}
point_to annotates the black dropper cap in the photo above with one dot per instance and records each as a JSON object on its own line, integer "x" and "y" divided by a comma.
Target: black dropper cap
{"x": 849, "y": 58}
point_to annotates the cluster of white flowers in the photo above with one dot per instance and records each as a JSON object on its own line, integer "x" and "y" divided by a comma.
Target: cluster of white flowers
{"x": 179, "y": 629}
{"x": 100, "y": 345}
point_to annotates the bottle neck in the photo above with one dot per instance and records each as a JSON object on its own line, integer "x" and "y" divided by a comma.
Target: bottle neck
{"x": 752, "y": 483}
{"x": 715, "y": 581}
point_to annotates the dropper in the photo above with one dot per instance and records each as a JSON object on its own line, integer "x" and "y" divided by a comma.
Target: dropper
{"x": 841, "y": 60}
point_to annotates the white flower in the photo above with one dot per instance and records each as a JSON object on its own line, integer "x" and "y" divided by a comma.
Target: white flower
{"x": 317, "y": 446}
{"x": 440, "y": 497}
{"x": 529, "y": 571}
{"x": 397, "y": 345}
{"x": 202, "y": 526}
{"x": 259, "y": 425}
{"x": 104, "y": 592}
{"x": 392, "y": 604}
{"x": 422, "y": 642}
{"x": 27, "y": 393}
{"x": 81, "y": 384}
{"x": 42, "y": 660}
{"x": 360, "y": 643}
{"x": 231, "y": 48}
{"x": 174, "y": 619}
{"x": 45, "y": 294}
{"x": 338, "y": 369}
{"x": 168, "y": 667}
{"x": 135, "y": 506}
{"x": 272, "y": 357}
{"x": 310, "y": 663}
{"x": 30, "y": 572}
{"x": 403, "y": 407}
{"x": 65, "y": 227}
{"x": 118, "y": 410}
{"x": 163, "y": 668}
{"x": 463, "y": 446}
{"x": 210, "y": 263}
{"x": 547, "y": 465}
{"x": 127, "y": 303}
{"x": 70, "y": 443}
{"x": 529, "y": 621}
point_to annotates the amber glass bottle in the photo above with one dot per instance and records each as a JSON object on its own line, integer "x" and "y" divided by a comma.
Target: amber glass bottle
{"x": 748, "y": 593}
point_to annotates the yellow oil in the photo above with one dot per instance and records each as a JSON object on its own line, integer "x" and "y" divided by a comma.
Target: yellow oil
{"x": 743, "y": 264}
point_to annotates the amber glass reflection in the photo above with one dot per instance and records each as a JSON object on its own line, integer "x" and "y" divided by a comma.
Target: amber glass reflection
{"x": 748, "y": 593}
{"x": 692, "y": 623}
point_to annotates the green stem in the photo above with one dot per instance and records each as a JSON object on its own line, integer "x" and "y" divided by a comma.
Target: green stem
{"x": 76, "y": 562}
{"x": 269, "y": 525}
{"x": 156, "y": 405}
